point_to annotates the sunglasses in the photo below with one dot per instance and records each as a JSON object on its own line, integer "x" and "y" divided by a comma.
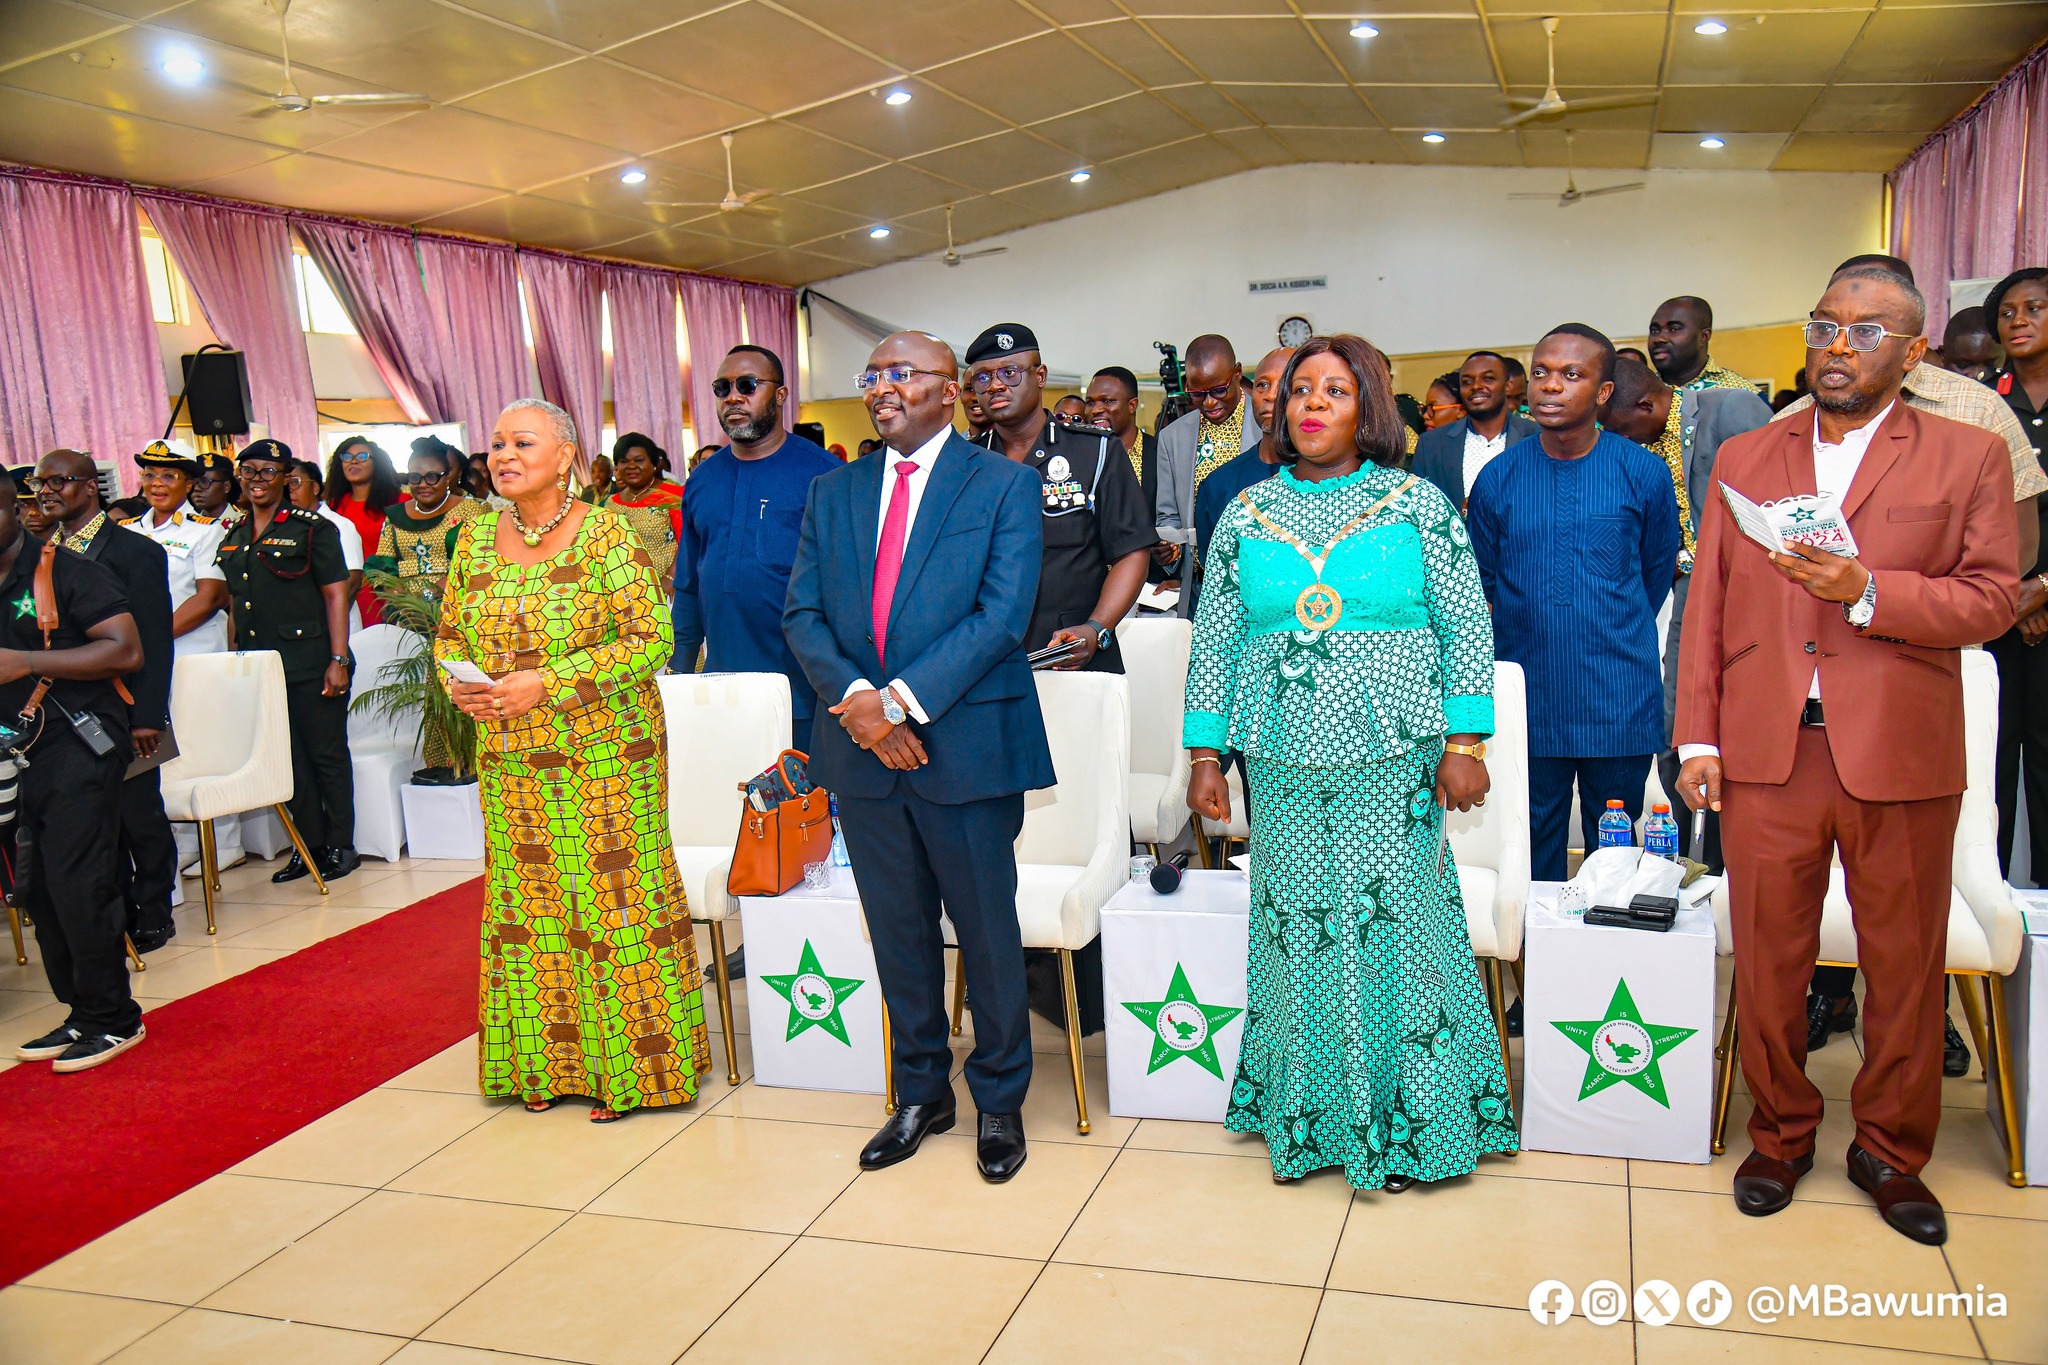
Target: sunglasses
{"x": 984, "y": 380}
{"x": 1200, "y": 395}
{"x": 747, "y": 385}
{"x": 1863, "y": 336}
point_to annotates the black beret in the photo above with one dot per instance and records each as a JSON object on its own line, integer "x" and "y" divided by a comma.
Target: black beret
{"x": 269, "y": 448}
{"x": 1005, "y": 338}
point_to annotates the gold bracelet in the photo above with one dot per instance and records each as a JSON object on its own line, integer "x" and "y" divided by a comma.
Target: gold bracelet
{"x": 1206, "y": 758}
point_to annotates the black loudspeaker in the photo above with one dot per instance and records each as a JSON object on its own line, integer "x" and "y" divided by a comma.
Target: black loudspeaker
{"x": 217, "y": 393}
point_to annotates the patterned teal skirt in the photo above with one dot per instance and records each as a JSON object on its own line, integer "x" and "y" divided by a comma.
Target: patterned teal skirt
{"x": 1368, "y": 1040}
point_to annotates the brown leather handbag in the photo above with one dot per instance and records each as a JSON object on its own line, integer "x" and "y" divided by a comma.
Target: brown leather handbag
{"x": 785, "y": 825}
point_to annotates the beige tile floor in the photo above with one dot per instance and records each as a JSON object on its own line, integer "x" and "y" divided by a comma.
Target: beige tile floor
{"x": 423, "y": 1225}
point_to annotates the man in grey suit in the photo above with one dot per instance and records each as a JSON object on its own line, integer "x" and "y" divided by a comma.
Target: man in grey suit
{"x": 1452, "y": 455}
{"x": 1686, "y": 428}
{"x": 1220, "y": 429}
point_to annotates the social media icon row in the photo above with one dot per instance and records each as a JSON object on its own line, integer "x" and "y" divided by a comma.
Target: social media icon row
{"x": 1604, "y": 1303}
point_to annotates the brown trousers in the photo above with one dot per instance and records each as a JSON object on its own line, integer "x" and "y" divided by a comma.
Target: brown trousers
{"x": 1896, "y": 862}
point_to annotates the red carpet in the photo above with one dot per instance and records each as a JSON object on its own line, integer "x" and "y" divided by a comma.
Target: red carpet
{"x": 228, "y": 1071}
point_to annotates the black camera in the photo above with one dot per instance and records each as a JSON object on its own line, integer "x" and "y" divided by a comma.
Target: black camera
{"x": 1172, "y": 379}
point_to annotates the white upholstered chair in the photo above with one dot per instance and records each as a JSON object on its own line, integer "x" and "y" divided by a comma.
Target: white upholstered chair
{"x": 1491, "y": 845}
{"x": 723, "y": 728}
{"x": 1155, "y": 651}
{"x": 1074, "y": 852}
{"x": 383, "y": 749}
{"x": 227, "y": 769}
{"x": 1985, "y": 933}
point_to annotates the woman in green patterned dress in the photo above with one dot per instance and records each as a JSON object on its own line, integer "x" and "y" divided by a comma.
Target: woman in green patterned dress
{"x": 590, "y": 980}
{"x": 1341, "y": 645}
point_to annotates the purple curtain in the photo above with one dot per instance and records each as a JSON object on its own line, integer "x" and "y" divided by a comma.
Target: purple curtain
{"x": 473, "y": 292}
{"x": 647, "y": 373}
{"x": 79, "y": 364}
{"x": 712, "y": 311}
{"x": 771, "y": 322}
{"x": 239, "y": 261}
{"x": 1973, "y": 200}
{"x": 565, "y": 297}
{"x": 377, "y": 278}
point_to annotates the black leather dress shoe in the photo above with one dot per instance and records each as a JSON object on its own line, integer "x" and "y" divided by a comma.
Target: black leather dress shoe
{"x": 999, "y": 1146}
{"x": 337, "y": 862}
{"x": 1764, "y": 1185}
{"x": 899, "y": 1138}
{"x": 148, "y": 941}
{"x": 291, "y": 871}
{"x": 736, "y": 963}
{"x": 1826, "y": 1017}
{"x": 1514, "y": 1018}
{"x": 1908, "y": 1205}
{"x": 1955, "y": 1055}
{"x": 1396, "y": 1182}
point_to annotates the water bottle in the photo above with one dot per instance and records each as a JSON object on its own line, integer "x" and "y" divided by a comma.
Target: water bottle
{"x": 1616, "y": 829}
{"x": 839, "y": 858}
{"x": 1660, "y": 833}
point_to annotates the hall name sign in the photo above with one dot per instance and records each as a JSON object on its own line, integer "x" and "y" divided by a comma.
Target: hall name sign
{"x": 1294, "y": 286}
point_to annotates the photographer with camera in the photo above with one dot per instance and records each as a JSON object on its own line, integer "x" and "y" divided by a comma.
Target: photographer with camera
{"x": 1216, "y": 432}
{"x": 66, "y": 638}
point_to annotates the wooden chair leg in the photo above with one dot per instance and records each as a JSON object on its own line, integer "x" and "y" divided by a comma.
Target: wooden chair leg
{"x": 1973, "y": 1012}
{"x": 1074, "y": 1038}
{"x": 2001, "y": 1047}
{"x": 724, "y": 982}
{"x": 959, "y": 993}
{"x": 14, "y": 923}
{"x": 134, "y": 958}
{"x": 888, "y": 1064}
{"x": 1202, "y": 848}
{"x": 297, "y": 843}
{"x": 1726, "y": 1055}
{"x": 1495, "y": 998}
{"x": 209, "y": 871}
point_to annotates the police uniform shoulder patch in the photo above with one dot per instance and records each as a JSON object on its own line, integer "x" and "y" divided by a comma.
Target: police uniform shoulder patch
{"x": 1080, "y": 428}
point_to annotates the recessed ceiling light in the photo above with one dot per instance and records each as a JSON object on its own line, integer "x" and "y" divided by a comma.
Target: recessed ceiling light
{"x": 1361, "y": 29}
{"x": 1712, "y": 144}
{"x": 182, "y": 65}
{"x": 878, "y": 233}
{"x": 1432, "y": 137}
{"x": 898, "y": 96}
{"x": 633, "y": 176}
{"x": 1712, "y": 28}
{"x": 1081, "y": 177}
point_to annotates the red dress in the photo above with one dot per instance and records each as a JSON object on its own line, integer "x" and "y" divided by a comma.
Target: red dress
{"x": 370, "y": 525}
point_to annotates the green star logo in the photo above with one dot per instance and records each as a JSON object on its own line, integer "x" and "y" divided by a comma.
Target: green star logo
{"x": 1182, "y": 1026}
{"x": 1802, "y": 514}
{"x": 1621, "y": 1048}
{"x": 814, "y": 998}
{"x": 25, "y": 605}
{"x": 1436, "y": 1039}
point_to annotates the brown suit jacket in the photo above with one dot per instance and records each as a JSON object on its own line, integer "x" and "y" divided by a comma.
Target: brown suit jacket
{"x": 1931, "y": 509}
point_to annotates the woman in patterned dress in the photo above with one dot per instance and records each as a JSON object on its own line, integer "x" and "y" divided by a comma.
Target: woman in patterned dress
{"x": 590, "y": 980}
{"x": 419, "y": 533}
{"x": 1342, "y": 641}
{"x": 650, "y": 504}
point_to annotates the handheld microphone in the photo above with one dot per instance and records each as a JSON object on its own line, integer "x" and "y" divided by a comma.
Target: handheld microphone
{"x": 1166, "y": 876}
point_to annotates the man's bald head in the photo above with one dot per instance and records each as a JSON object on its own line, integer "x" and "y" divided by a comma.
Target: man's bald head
{"x": 920, "y": 349}
{"x": 1214, "y": 378}
{"x": 74, "y": 500}
{"x": 1266, "y": 386}
{"x": 1210, "y": 349}
{"x": 65, "y": 461}
{"x": 1680, "y": 330}
{"x": 916, "y": 384}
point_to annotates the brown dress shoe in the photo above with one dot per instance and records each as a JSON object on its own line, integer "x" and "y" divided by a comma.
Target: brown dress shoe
{"x": 1763, "y": 1185}
{"x": 1907, "y": 1204}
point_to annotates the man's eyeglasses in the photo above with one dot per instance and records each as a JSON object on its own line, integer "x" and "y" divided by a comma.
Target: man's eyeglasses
{"x": 984, "y": 380}
{"x": 1203, "y": 395}
{"x": 895, "y": 374}
{"x": 747, "y": 384}
{"x": 57, "y": 483}
{"x": 1863, "y": 336}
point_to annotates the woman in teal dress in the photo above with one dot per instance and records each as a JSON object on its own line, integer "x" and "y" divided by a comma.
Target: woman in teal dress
{"x": 1342, "y": 643}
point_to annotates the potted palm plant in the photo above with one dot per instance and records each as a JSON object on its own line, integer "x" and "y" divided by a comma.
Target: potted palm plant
{"x": 443, "y": 817}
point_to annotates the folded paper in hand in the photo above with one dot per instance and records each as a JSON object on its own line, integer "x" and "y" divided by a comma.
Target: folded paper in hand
{"x": 1809, "y": 518}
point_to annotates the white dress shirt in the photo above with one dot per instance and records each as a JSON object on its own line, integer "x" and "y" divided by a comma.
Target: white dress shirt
{"x": 190, "y": 546}
{"x": 351, "y": 555}
{"x": 924, "y": 457}
{"x": 1834, "y": 469}
{"x": 1480, "y": 452}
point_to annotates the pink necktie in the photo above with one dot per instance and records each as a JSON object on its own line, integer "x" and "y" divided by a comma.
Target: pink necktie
{"x": 889, "y": 554}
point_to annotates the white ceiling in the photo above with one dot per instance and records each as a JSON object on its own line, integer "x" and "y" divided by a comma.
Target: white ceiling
{"x": 538, "y": 105}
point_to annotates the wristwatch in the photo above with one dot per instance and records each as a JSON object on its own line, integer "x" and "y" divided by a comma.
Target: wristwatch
{"x": 342, "y": 659}
{"x": 1860, "y": 612}
{"x": 1477, "y": 751}
{"x": 892, "y": 710}
{"x": 1103, "y": 634}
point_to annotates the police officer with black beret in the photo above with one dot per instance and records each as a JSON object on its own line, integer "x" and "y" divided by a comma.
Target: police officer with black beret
{"x": 1098, "y": 526}
{"x": 288, "y": 591}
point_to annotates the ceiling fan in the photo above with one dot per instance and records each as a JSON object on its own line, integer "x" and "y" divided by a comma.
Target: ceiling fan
{"x": 952, "y": 255}
{"x": 733, "y": 202}
{"x": 287, "y": 99}
{"x": 1572, "y": 193}
{"x": 1553, "y": 103}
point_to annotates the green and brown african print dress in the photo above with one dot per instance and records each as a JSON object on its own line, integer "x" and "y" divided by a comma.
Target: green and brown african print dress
{"x": 590, "y": 980}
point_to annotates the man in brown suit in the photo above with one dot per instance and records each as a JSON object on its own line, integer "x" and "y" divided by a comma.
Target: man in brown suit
{"x": 1820, "y": 705}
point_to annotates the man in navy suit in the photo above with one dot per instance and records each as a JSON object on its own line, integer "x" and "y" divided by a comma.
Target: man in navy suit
{"x": 917, "y": 569}
{"x": 1452, "y": 455}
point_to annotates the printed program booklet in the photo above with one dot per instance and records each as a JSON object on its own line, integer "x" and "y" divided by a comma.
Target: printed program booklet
{"x": 1809, "y": 518}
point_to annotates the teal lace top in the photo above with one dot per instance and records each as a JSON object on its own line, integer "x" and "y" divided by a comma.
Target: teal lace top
{"x": 1409, "y": 660}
